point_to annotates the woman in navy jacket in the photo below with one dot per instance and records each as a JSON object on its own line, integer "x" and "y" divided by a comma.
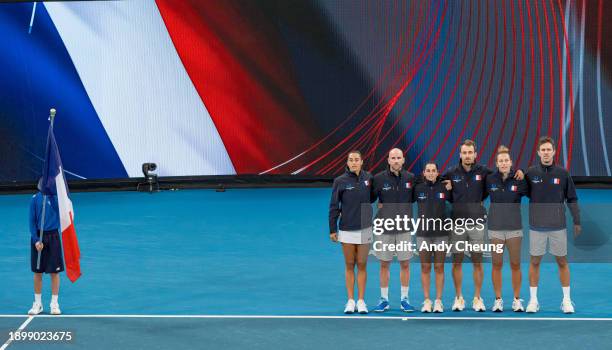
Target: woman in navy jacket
{"x": 505, "y": 225}
{"x": 431, "y": 197}
{"x": 351, "y": 200}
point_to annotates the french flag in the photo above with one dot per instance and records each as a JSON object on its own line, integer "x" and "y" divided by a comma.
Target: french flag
{"x": 408, "y": 185}
{"x": 513, "y": 188}
{"x": 556, "y": 181}
{"x": 54, "y": 183}
{"x": 441, "y": 195}
{"x": 478, "y": 177}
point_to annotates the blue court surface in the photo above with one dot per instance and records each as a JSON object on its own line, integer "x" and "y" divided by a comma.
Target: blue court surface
{"x": 254, "y": 268}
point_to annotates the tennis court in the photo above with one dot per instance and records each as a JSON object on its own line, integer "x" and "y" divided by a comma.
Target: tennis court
{"x": 255, "y": 268}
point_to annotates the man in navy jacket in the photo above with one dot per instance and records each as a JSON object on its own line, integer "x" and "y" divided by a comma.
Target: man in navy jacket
{"x": 468, "y": 180}
{"x": 393, "y": 187}
{"x": 550, "y": 188}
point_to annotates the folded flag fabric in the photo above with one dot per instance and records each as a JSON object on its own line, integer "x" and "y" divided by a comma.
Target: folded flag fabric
{"x": 54, "y": 183}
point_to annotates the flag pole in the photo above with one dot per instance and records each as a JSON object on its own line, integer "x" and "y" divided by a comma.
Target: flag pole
{"x": 32, "y": 18}
{"x": 41, "y": 232}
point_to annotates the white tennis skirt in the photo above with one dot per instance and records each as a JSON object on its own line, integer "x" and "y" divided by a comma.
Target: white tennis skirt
{"x": 363, "y": 236}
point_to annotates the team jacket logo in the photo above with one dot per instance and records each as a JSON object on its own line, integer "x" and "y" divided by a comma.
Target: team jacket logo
{"x": 556, "y": 181}
{"x": 456, "y": 178}
{"x": 422, "y": 196}
{"x": 493, "y": 187}
{"x": 349, "y": 187}
{"x": 408, "y": 185}
{"x": 478, "y": 177}
{"x": 386, "y": 187}
{"x": 536, "y": 180}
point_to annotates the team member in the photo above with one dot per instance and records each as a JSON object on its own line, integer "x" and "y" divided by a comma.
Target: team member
{"x": 550, "y": 187}
{"x": 393, "y": 188}
{"x": 50, "y": 249}
{"x": 350, "y": 201}
{"x": 468, "y": 191}
{"x": 505, "y": 225}
{"x": 431, "y": 197}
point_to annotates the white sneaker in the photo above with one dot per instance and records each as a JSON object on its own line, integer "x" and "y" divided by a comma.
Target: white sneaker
{"x": 532, "y": 307}
{"x": 55, "y": 310}
{"x": 362, "y": 308}
{"x": 517, "y": 305}
{"x": 438, "y": 307}
{"x": 350, "y": 306}
{"x": 567, "y": 306}
{"x": 426, "y": 306}
{"x": 459, "y": 304}
{"x": 478, "y": 305}
{"x": 498, "y": 305}
{"x": 36, "y": 309}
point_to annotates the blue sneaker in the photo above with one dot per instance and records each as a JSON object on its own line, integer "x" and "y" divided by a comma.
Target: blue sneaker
{"x": 405, "y": 306}
{"x": 383, "y": 305}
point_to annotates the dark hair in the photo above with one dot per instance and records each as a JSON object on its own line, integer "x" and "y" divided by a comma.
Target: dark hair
{"x": 431, "y": 162}
{"x": 546, "y": 139}
{"x": 468, "y": 142}
{"x": 354, "y": 151}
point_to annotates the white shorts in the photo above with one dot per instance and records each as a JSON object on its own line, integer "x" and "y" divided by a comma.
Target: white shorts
{"x": 538, "y": 241}
{"x": 363, "y": 236}
{"x": 384, "y": 253}
{"x": 505, "y": 234}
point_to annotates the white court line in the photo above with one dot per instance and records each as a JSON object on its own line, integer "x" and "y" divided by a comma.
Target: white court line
{"x": 22, "y": 327}
{"x": 353, "y": 317}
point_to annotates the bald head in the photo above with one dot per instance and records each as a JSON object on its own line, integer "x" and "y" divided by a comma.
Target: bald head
{"x": 396, "y": 159}
{"x": 396, "y": 151}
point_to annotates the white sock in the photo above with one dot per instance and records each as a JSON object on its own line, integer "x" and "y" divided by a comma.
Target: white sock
{"x": 533, "y": 294}
{"x": 566, "y": 292}
{"x": 405, "y": 292}
{"x": 384, "y": 293}
{"x": 53, "y": 299}
{"x": 38, "y": 298}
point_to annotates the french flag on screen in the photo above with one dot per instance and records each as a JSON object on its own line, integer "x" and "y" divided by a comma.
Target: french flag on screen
{"x": 441, "y": 195}
{"x": 54, "y": 183}
{"x": 556, "y": 181}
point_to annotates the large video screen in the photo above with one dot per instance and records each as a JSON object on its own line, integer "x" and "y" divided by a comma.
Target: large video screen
{"x": 222, "y": 87}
